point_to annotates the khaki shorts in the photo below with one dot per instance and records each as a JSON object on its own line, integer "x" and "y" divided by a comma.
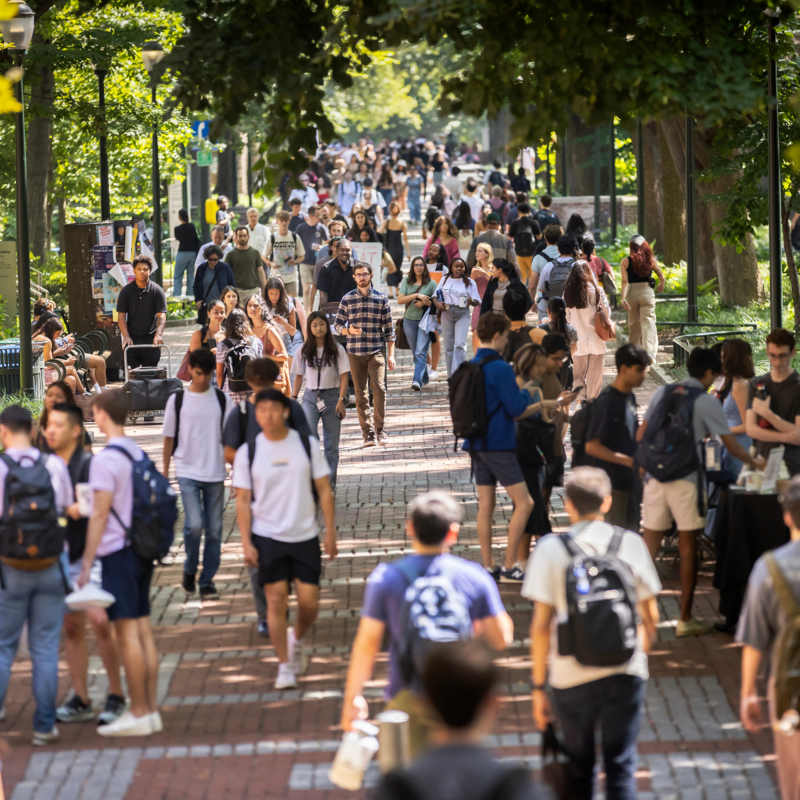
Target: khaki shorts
{"x": 291, "y": 288}
{"x": 306, "y": 273}
{"x": 676, "y": 500}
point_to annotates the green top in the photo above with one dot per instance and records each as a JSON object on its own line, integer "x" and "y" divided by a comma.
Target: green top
{"x": 413, "y": 311}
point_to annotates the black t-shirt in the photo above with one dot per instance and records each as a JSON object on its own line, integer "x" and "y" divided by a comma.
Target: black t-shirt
{"x": 785, "y": 402}
{"x": 335, "y": 281}
{"x": 186, "y": 234}
{"x": 232, "y": 433}
{"x": 295, "y": 221}
{"x": 78, "y": 469}
{"x": 141, "y": 307}
{"x": 613, "y": 420}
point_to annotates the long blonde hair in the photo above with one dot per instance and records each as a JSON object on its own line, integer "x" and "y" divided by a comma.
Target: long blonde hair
{"x": 488, "y": 248}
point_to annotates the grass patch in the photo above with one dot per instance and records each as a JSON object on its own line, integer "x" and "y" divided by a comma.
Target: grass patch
{"x": 33, "y": 405}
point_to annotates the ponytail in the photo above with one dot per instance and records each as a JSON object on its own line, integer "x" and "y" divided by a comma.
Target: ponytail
{"x": 558, "y": 308}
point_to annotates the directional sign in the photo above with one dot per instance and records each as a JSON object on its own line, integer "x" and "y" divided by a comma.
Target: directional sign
{"x": 200, "y": 129}
{"x": 204, "y": 158}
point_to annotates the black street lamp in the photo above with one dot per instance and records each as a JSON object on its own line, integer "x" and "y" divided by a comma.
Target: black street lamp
{"x": 775, "y": 188}
{"x": 18, "y": 33}
{"x": 105, "y": 197}
{"x": 152, "y": 53}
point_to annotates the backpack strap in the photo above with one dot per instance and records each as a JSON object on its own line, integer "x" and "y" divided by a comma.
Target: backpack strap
{"x": 242, "y": 422}
{"x": 573, "y": 548}
{"x": 408, "y": 570}
{"x": 786, "y": 595}
{"x": 616, "y": 541}
{"x": 307, "y": 447}
{"x": 222, "y": 403}
{"x": 126, "y": 528}
{"x": 178, "y": 406}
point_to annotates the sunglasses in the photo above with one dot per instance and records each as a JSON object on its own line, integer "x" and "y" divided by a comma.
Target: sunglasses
{"x": 213, "y": 259}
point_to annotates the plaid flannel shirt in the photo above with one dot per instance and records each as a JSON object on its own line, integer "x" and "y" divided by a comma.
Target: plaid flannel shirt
{"x": 372, "y": 315}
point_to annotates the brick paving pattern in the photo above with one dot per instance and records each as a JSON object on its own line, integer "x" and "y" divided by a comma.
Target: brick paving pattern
{"x": 228, "y": 733}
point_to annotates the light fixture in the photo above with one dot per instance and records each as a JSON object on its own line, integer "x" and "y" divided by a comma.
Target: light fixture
{"x": 18, "y": 31}
{"x": 152, "y": 53}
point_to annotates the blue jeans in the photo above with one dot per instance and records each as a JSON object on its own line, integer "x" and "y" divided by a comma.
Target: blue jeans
{"x": 184, "y": 262}
{"x": 438, "y": 177}
{"x": 455, "y": 329}
{"x": 616, "y": 704}
{"x": 386, "y": 194}
{"x": 38, "y": 598}
{"x": 420, "y": 341}
{"x": 202, "y": 505}
{"x": 331, "y": 424}
{"x": 414, "y": 205}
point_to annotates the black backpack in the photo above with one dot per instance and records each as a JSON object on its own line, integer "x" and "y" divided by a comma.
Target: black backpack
{"x": 467, "y": 398}
{"x": 397, "y": 785}
{"x": 235, "y": 362}
{"x": 76, "y": 528}
{"x": 524, "y": 240}
{"x": 546, "y": 217}
{"x": 516, "y": 340}
{"x": 578, "y": 424}
{"x": 668, "y": 450}
{"x": 179, "y": 404}
{"x": 496, "y": 178}
{"x": 559, "y": 272}
{"x": 600, "y": 629}
{"x": 31, "y": 528}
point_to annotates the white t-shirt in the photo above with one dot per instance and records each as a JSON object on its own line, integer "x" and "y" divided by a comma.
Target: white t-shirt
{"x": 453, "y": 288}
{"x": 288, "y": 246}
{"x": 59, "y": 475}
{"x": 328, "y": 374}
{"x": 110, "y": 471}
{"x": 199, "y": 456}
{"x": 475, "y": 203}
{"x": 283, "y": 504}
{"x": 545, "y": 582}
{"x": 258, "y": 236}
{"x": 583, "y": 319}
{"x": 308, "y": 197}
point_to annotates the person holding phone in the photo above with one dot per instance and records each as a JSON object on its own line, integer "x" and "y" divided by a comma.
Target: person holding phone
{"x": 324, "y": 366}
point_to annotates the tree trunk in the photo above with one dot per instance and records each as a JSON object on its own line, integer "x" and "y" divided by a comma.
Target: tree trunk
{"x": 653, "y": 189}
{"x": 674, "y": 210}
{"x": 581, "y": 160}
{"x": 792, "y": 267}
{"x": 39, "y": 149}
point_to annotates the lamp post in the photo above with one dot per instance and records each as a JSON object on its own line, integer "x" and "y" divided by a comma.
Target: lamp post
{"x": 105, "y": 197}
{"x": 18, "y": 33}
{"x": 775, "y": 188}
{"x": 152, "y": 53}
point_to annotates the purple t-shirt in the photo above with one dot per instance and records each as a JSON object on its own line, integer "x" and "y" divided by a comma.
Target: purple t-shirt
{"x": 386, "y": 588}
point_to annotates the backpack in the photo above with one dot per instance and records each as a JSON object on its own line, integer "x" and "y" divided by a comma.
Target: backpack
{"x": 155, "y": 510}
{"x": 524, "y": 240}
{"x": 78, "y": 468}
{"x": 496, "y": 178}
{"x": 600, "y": 629}
{"x": 31, "y": 529}
{"x": 433, "y": 613}
{"x": 179, "y": 404}
{"x": 559, "y": 272}
{"x": 396, "y": 785}
{"x": 786, "y": 658}
{"x": 668, "y": 450}
{"x": 578, "y": 424}
{"x": 467, "y": 399}
{"x": 236, "y": 359}
{"x": 516, "y": 340}
{"x": 546, "y": 217}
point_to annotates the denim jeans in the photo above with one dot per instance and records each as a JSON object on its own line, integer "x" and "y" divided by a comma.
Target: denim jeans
{"x": 420, "y": 341}
{"x": 331, "y": 424}
{"x": 414, "y": 205}
{"x": 38, "y": 598}
{"x": 202, "y": 505}
{"x": 455, "y": 329}
{"x": 616, "y": 704}
{"x": 386, "y": 194}
{"x": 184, "y": 263}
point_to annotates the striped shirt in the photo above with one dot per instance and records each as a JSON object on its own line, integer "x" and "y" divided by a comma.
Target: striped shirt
{"x": 372, "y": 315}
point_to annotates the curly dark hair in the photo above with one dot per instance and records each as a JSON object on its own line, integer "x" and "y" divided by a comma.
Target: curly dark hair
{"x": 576, "y": 287}
{"x": 737, "y": 360}
{"x": 237, "y": 326}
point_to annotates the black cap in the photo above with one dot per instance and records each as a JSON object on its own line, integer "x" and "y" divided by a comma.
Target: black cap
{"x": 16, "y": 415}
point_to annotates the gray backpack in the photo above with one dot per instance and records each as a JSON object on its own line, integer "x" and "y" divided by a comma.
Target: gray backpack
{"x": 554, "y": 286}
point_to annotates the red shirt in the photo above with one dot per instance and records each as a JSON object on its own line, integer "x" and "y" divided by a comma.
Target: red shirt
{"x": 599, "y": 266}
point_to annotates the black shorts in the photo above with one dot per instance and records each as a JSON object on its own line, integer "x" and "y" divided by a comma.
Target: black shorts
{"x": 287, "y": 561}
{"x": 128, "y": 578}
{"x": 496, "y": 466}
{"x": 554, "y": 474}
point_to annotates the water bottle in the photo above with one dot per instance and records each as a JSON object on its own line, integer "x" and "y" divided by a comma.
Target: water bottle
{"x": 353, "y": 756}
{"x": 394, "y": 739}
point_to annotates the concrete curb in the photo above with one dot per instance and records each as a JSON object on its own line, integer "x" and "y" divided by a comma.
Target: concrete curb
{"x": 180, "y": 323}
{"x": 661, "y": 378}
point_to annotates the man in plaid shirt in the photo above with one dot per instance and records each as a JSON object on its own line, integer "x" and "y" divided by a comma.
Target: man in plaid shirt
{"x": 365, "y": 319}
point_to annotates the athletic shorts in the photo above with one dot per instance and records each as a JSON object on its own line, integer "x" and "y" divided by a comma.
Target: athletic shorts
{"x": 675, "y": 500}
{"x": 496, "y": 466}
{"x": 287, "y": 561}
{"x": 128, "y": 578}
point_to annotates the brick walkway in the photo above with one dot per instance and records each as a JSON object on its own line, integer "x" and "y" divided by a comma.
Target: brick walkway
{"x": 229, "y": 734}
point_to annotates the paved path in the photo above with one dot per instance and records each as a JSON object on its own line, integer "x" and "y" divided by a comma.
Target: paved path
{"x": 229, "y": 735}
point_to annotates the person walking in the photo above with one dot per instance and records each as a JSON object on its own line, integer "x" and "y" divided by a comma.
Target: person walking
{"x": 503, "y": 278}
{"x": 273, "y": 347}
{"x": 247, "y": 265}
{"x": 211, "y": 278}
{"x": 738, "y": 369}
{"x": 365, "y": 318}
{"x": 444, "y": 233}
{"x": 243, "y": 345}
{"x": 323, "y": 366}
{"x": 193, "y": 421}
{"x": 206, "y": 336}
{"x": 313, "y": 235}
{"x": 142, "y": 315}
{"x": 457, "y": 294}
{"x": 465, "y": 227}
{"x": 637, "y": 291}
{"x": 584, "y": 300}
{"x": 481, "y": 274}
{"x": 502, "y": 245}
{"x": 279, "y": 483}
{"x": 416, "y": 294}
{"x": 386, "y": 183}
{"x": 188, "y": 246}
{"x": 282, "y": 311}
{"x": 395, "y": 232}
{"x": 284, "y": 250}
{"x": 416, "y": 192}
{"x": 33, "y": 589}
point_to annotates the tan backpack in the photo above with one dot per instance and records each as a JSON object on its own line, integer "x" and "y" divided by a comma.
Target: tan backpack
{"x": 786, "y": 663}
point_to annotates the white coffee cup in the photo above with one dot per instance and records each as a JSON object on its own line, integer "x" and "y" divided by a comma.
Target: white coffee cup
{"x": 462, "y": 301}
{"x": 85, "y": 495}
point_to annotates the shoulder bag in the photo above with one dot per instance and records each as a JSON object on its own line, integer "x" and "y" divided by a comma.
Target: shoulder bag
{"x": 604, "y": 326}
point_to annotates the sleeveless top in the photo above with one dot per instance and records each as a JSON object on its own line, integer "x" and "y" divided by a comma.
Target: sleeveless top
{"x": 634, "y": 278}
{"x": 204, "y": 342}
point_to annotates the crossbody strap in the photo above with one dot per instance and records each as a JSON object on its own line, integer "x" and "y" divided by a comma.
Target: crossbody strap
{"x": 125, "y": 527}
{"x": 786, "y": 595}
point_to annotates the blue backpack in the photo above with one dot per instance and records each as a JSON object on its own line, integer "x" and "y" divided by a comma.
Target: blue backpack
{"x": 155, "y": 510}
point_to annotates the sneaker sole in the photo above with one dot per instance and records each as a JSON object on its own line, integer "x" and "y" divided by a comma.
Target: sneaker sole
{"x": 286, "y": 686}
{"x": 104, "y": 731}
{"x": 85, "y": 717}
{"x": 42, "y": 742}
{"x": 506, "y": 579}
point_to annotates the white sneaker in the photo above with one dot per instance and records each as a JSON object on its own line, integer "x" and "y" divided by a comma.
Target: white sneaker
{"x": 287, "y": 679}
{"x": 156, "y": 723}
{"x": 297, "y": 657}
{"x": 432, "y": 374}
{"x": 128, "y": 725}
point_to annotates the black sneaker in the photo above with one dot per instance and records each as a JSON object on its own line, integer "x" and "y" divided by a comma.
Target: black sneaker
{"x": 188, "y": 583}
{"x": 263, "y": 628}
{"x": 115, "y": 707}
{"x": 75, "y": 710}
{"x": 209, "y": 592}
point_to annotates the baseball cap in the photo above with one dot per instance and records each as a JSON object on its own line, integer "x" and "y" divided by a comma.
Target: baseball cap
{"x": 493, "y": 218}
{"x": 15, "y": 415}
